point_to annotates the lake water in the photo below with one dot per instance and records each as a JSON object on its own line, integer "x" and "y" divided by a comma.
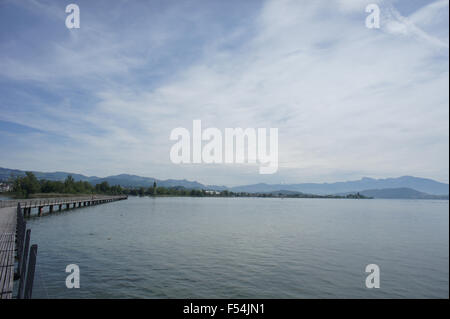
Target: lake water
{"x": 245, "y": 248}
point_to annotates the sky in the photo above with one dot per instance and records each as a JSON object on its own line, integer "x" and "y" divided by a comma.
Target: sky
{"x": 348, "y": 101}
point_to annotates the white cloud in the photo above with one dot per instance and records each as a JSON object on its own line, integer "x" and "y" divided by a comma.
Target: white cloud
{"x": 432, "y": 16}
{"x": 347, "y": 100}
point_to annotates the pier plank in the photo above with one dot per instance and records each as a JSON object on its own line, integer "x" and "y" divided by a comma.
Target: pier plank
{"x": 8, "y": 221}
{"x": 7, "y": 243}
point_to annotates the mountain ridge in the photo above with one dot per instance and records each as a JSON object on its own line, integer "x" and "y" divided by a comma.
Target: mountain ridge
{"x": 418, "y": 184}
{"x": 397, "y": 193}
{"x": 424, "y": 185}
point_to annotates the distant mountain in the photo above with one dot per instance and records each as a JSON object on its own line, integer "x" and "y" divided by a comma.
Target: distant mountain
{"x": 6, "y": 173}
{"x": 124, "y": 180}
{"x": 401, "y": 187}
{"x": 399, "y": 193}
{"x": 385, "y": 193}
{"x": 420, "y": 184}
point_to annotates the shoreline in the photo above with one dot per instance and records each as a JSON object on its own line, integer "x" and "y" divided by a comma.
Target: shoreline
{"x": 15, "y": 196}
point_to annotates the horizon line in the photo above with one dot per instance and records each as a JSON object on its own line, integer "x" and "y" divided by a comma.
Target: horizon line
{"x": 209, "y": 184}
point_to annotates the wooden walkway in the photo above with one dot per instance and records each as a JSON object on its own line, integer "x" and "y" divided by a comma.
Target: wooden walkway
{"x": 15, "y": 238}
{"x": 8, "y": 220}
{"x": 60, "y": 202}
{"x": 37, "y": 202}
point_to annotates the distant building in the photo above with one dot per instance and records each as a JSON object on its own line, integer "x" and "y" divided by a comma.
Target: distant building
{"x": 5, "y": 187}
{"x": 212, "y": 192}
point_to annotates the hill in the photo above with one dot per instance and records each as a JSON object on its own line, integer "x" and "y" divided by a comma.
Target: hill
{"x": 401, "y": 187}
{"x": 400, "y": 193}
{"x": 419, "y": 184}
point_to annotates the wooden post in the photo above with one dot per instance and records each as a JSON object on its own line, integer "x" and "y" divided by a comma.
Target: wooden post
{"x": 23, "y": 264}
{"x": 50, "y": 208}
{"x": 20, "y": 242}
{"x": 40, "y": 211}
{"x": 19, "y": 213}
{"x": 30, "y": 272}
{"x": 60, "y": 207}
{"x": 20, "y": 236}
{"x": 20, "y": 219}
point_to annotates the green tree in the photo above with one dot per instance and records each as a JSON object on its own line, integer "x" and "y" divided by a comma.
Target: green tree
{"x": 26, "y": 185}
{"x": 69, "y": 185}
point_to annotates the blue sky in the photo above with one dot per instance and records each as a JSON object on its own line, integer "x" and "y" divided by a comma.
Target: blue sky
{"x": 348, "y": 101}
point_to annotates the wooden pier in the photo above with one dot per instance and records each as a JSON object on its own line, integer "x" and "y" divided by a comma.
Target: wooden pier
{"x": 59, "y": 203}
{"x": 7, "y": 250}
{"x": 17, "y": 258}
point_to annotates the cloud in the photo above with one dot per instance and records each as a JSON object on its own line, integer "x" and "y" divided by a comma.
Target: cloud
{"x": 357, "y": 6}
{"x": 432, "y": 16}
{"x": 348, "y": 101}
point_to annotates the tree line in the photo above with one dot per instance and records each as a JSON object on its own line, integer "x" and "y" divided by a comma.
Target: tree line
{"x": 27, "y": 185}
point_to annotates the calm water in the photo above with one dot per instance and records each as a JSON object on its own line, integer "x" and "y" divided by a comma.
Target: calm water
{"x": 245, "y": 248}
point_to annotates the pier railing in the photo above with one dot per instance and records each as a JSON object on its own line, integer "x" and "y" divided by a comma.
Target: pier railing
{"x": 15, "y": 245}
{"x": 27, "y": 203}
